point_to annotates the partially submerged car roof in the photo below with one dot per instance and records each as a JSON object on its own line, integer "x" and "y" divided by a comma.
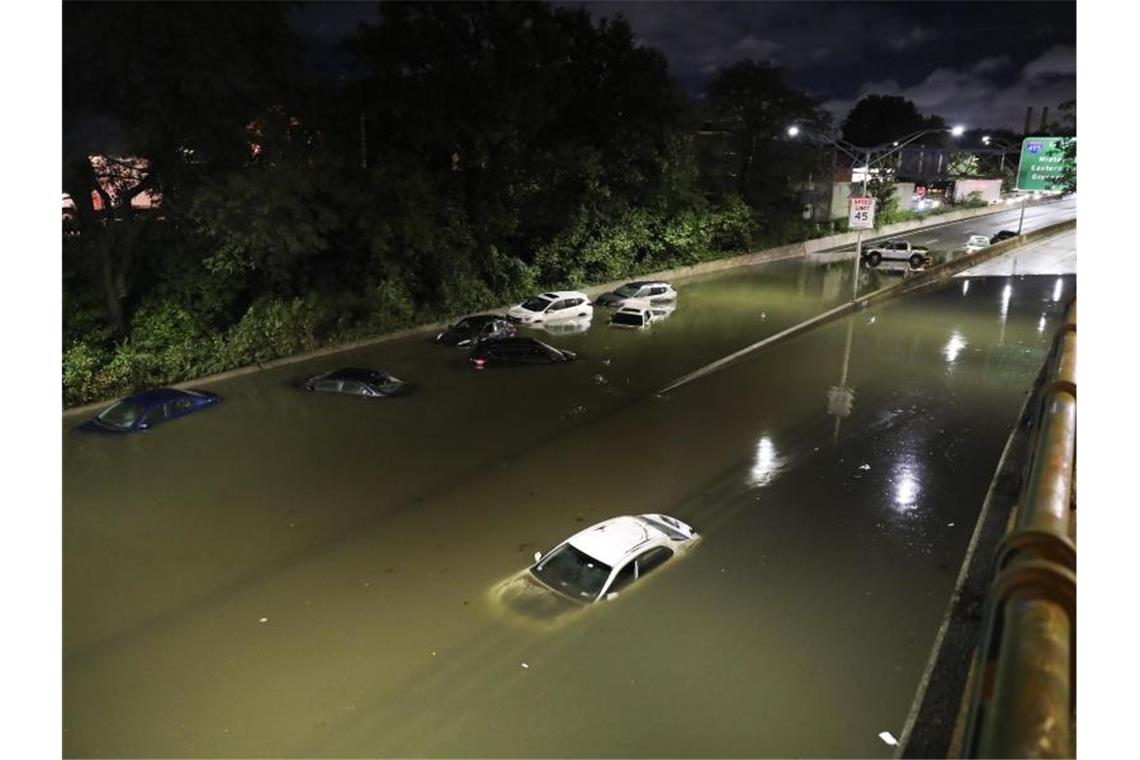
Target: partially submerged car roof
{"x": 612, "y": 540}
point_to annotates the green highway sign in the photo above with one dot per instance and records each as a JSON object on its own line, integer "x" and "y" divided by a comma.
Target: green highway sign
{"x": 1042, "y": 162}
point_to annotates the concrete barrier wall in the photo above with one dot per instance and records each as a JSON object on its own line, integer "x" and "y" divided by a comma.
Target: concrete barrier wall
{"x": 792, "y": 250}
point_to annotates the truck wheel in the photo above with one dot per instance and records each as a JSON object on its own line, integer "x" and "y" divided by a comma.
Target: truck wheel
{"x": 873, "y": 258}
{"x": 916, "y": 261}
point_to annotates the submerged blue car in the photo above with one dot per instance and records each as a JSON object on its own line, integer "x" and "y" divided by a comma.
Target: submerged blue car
{"x": 143, "y": 411}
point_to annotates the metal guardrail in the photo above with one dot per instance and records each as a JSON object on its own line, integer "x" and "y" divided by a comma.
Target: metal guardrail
{"x": 1023, "y": 700}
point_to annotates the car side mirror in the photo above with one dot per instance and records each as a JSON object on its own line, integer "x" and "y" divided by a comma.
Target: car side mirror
{"x": 537, "y": 556}
{"x": 611, "y": 596}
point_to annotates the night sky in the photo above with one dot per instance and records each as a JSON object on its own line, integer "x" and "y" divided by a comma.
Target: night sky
{"x": 979, "y": 64}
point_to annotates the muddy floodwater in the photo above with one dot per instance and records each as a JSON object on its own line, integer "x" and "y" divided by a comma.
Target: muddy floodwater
{"x": 293, "y": 574}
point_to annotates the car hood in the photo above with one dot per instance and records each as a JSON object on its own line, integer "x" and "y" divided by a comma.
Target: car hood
{"x": 524, "y": 597}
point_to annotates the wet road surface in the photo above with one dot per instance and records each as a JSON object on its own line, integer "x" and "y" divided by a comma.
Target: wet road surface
{"x": 299, "y": 575}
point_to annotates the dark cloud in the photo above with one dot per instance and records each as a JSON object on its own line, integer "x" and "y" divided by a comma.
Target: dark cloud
{"x": 979, "y": 63}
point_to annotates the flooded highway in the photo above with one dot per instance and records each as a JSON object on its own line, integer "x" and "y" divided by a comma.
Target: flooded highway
{"x": 295, "y": 574}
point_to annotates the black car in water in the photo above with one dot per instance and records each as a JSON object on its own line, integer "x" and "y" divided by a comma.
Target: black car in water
{"x": 474, "y": 329}
{"x": 354, "y": 381}
{"x": 517, "y": 351}
{"x": 1002, "y": 235}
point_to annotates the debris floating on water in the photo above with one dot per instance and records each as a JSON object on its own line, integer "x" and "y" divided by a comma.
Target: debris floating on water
{"x": 526, "y": 666}
{"x": 888, "y": 738}
{"x": 263, "y": 620}
{"x": 864, "y": 467}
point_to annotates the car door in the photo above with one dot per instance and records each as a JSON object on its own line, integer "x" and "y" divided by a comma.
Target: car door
{"x": 621, "y": 580}
{"x": 652, "y": 559}
{"x": 655, "y": 293}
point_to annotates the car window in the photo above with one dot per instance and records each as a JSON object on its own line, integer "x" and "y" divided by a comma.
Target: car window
{"x": 536, "y": 304}
{"x": 572, "y": 572}
{"x": 656, "y": 291}
{"x": 625, "y": 318}
{"x": 653, "y": 559}
{"x": 327, "y": 385}
{"x": 123, "y": 414}
{"x": 624, "y": 577}
{"x": 627, "y": 291}
{"x": 178, "y": 407}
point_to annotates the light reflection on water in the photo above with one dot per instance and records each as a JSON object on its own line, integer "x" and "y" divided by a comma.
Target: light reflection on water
{"x": 766, "y": 464}
{"x": 954, "y": 346}
{"x": 1006, "y": 294}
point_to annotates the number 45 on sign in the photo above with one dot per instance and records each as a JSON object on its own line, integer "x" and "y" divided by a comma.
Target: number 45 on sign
{"x": 861, "y": 214}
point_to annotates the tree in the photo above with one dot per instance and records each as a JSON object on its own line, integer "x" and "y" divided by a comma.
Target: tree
{"x": 529, "y": 111}
{"x": 882, "y": 188}
{"x": 174, "y": 84}
{"x": 963, "y": 165}
{"x": 751, "y": 101}
{"x": 880, "y": 119}
{"x": 1068, "y": 150}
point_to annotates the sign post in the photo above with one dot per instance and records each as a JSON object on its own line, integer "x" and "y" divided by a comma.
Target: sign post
{"x": 860, "y": 216}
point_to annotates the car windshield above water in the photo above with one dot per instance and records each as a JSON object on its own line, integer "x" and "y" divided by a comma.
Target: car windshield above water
{"x": 122, "y": 415}
{"x": 572, "y": 572}
{"x": 633, "y": 319}
{"x": 536, "y": 304}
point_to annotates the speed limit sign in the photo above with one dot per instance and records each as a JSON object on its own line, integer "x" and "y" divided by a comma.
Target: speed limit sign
{"x": 861, "y": 214}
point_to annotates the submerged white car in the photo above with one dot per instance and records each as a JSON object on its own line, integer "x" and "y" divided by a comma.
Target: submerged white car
{"x": 977, "y": 243}
{"x": 634, "y": 314}
{"x": 602, "y": 560}
{"x": 653, "y": 291}
{"x": 555, "y": 305}
{"x": 594, "y": 564}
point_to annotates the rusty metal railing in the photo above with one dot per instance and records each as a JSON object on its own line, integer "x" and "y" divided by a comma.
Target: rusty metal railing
{"x": 1023, "y": 702}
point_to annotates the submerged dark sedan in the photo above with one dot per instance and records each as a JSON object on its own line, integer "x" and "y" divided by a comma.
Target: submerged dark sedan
{"x": 517, "y": 351}
{"x": 473, "y": 329}
{"x": 143, "y": 411}
{"x": 353, "y": 381}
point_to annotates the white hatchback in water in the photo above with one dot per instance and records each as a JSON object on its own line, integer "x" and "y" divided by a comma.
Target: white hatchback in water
{"x": 653, "y": 291}
{"x": 555, "y": 305}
